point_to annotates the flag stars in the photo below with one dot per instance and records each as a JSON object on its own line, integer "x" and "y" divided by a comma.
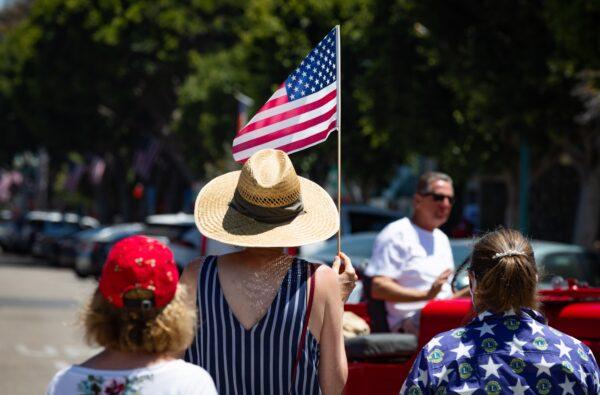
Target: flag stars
{"x": 481, "y": 316}
{"x": 543, "y": 367}
{"x": 516, "y": 346}
{"x": 567, "y": 386}
{"x": 434, "y": 342}
{"x": 462, "y": 350}
{"x": 466, "y": 390}
{"x": 564, "y": 350}
{"x": 443, "y": 374}
{"x": 582, "y": 373}
{"x": 519, "y": 389}
{"x": 491, "y": 368}
{"x": 485, "y": 328}
{"x": 535, "y": 328}
{"x": 315, "y": 72}
{"x": 422, "y": 377}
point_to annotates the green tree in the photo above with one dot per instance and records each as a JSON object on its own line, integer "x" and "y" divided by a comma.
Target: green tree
{"x": 495, "y": 58}
{"x": 575, "y": 27}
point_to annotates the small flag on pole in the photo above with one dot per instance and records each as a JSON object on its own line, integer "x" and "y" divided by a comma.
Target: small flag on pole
{"x": 302, "y": 112}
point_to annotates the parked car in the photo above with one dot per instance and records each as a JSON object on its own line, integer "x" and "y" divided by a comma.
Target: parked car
{"x": 91, "y": 252}
{"x": 183, "y": 238}
{"x": 168, "y": 228}
{"x": 364, "y": 218}
{"x": 557, "y": 262}
{"x": 192, "y": 244}
{"x": 56, "y": 227}
{"x": 7, "y": 229}
{"x": 68, "y": 245}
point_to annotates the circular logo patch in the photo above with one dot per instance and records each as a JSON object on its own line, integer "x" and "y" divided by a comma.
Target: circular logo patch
{"x": 458, "y": 333}
{"x": 441, "y": 390}
{"x": 543, "y": 386}
{"x": 489, "y": 344}
{"x": 582, "y": 354}
{"x": 567, "y": 367}
{"x": 414, "y": 390}
{"x": 540, "y": 343}
{"x": 436, "y": 356}
{"x": 465, "y": 370}
{"x": 517, "y": 365}
{"x": 512, "y": 323}
{"x": 492, "y": 387}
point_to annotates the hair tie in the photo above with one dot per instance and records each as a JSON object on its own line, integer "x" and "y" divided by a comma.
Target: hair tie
{"x": 500, "y": 255}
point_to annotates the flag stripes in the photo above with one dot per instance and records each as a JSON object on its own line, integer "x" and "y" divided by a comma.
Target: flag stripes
{"x": 301, "y": 112}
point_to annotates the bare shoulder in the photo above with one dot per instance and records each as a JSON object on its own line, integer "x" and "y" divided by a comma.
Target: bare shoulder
{"x": 189, "y": 277}
{"x": 327, "y": 281}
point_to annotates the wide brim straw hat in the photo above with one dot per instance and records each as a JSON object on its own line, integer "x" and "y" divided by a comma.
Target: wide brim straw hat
{"x": 266, "y": 204}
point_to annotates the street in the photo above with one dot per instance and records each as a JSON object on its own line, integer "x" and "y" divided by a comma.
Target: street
{"x": 39, "y": 330}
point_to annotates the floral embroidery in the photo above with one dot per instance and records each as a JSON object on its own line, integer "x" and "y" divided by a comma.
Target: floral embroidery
{"x": 97, "y": 385}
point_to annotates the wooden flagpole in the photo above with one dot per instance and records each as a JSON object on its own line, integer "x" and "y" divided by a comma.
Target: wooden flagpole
{"x": 338, "y": 71}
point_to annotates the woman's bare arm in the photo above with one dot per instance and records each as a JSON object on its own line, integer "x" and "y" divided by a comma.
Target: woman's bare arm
{"x": 333, "y": 367}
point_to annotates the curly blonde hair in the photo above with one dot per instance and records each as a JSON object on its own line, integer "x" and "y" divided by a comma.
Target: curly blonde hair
{"x": 158, "y": 331}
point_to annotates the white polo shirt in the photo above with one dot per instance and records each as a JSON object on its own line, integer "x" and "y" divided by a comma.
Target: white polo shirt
{"x": 414, "y": 258}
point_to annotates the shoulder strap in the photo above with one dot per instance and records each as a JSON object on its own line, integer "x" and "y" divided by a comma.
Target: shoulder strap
{"x": 311, "y": 293}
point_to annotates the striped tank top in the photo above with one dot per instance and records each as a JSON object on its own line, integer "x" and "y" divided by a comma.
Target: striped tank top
{"x": 259, "y": 360}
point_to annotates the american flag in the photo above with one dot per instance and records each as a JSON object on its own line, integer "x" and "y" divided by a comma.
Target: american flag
{"x": 302, "y": 112}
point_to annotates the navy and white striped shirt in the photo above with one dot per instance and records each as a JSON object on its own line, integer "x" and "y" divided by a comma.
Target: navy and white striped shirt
{"x": 259, "y": 360}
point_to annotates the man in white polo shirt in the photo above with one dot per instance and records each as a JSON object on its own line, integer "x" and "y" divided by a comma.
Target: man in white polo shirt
{"x": 412, "y": 260}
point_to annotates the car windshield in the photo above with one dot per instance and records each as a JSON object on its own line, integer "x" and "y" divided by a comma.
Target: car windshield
{"x": 555, "y": 261}
{"x": 60, "y": 228}
{"x": 86, "y": 234}
{"x": 556, "y": 267}
{"x": 364, "y": 221}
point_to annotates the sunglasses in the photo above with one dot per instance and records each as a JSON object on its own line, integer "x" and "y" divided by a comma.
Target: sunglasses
{"x": 438, "y": 197}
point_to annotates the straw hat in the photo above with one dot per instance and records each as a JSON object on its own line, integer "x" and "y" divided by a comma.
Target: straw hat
{"x": 265, "y": 204}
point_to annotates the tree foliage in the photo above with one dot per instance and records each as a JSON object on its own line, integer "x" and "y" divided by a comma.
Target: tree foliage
{"x": 462, "y": 81}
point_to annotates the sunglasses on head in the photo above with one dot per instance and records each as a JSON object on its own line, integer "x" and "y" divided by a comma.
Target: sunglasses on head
{"x": 439, "y": 197}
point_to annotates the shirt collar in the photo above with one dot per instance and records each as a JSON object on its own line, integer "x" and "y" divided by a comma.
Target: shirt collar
{"x": 527, "y": 314}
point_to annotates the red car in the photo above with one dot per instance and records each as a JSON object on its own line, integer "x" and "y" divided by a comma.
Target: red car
{"x": 380, "y": 365}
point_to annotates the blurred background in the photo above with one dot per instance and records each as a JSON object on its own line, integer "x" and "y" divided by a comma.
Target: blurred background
{"x": 114, "y": 113}
{"x": 123, "y": 109}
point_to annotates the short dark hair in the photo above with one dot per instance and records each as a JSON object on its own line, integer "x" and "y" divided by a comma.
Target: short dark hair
{"x": 427, "y": 178}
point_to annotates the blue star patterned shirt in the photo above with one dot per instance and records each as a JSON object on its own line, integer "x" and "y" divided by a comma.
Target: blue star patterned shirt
{"x": 504, "y": 354}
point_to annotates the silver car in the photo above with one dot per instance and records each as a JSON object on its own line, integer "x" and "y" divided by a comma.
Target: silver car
{"x": 556, "y": 262}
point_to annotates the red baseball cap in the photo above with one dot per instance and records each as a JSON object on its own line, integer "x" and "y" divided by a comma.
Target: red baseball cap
{"x": 139, "y": 263}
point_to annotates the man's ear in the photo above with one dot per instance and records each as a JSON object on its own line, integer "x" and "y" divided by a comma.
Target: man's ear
{"x": 417, "y": 199}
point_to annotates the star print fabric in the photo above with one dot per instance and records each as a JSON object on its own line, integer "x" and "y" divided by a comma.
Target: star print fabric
{"x": 504, "y": 354}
